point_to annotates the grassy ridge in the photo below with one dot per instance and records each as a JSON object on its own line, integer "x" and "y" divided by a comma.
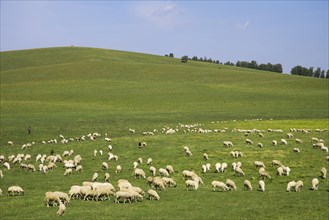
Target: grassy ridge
{"x": 75, "y": 91}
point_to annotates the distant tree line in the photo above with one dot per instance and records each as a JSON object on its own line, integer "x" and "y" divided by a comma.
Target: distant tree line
{"x": 297, "y": 70}
{"x": 303, "y": 71}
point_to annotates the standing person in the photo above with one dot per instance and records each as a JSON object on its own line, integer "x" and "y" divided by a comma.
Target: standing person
{"x": 29, "y": 130}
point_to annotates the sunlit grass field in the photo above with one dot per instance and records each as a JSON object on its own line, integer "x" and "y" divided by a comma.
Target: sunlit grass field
{"x": 76, "y": 91}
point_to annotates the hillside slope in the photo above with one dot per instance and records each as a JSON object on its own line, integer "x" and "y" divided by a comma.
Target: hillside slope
{"x": 72, "y": 85}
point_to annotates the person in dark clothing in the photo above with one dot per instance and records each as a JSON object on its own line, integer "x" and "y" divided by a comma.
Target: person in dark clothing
{"x": 29, "y": 130}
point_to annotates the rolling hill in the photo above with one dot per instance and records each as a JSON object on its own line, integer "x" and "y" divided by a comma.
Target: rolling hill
{"x": 74, "y": 91}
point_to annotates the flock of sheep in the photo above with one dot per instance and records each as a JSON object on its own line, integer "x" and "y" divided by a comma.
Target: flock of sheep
{"x": 157, "y": 179}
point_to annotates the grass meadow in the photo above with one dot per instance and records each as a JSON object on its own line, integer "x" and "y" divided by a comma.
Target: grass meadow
{"x": 75, "y": 91}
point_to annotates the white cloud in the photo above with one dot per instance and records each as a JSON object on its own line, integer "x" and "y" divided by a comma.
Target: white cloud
{"x": 162, "y": 14}
{"x": 244, "y": 26}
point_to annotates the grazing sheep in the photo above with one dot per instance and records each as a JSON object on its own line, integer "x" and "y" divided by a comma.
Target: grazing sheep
{"x": 6, "y": 165}
{"x": 263, "y": 174}
{"x": 231, "y": 184}
{"x": 188, "y": 153}
{"x": 68, "y": 172}
{"x": 290, "y": 185}
{"x": 239, "y": 171}
{"x": 106, "y": 177}
{"x": 247, "y": 185}
{"x": 279, "y": 171}
{"x": 315, "y": 184}
{"x": 204, "y": 168}
{"x": 152, "y": 170}
{"x": 135, "y": 164}
{"x": 163, "y": 172}
{"x": 228, "y": 144}
{"x": 323, "y": 173}
{"x": 110, "y": 147}
{"x": 261, "y": 185}
{"x": 324, "y": 148}
{"x": 286, "y": 170}
{"x": 220, "y": 185}
{"x": 61, "y": 209}
{"x": 260, "y": 145}
{"x": 259, "y": 164}
{"x": 249, "y": 142}
{"x": 296, "y": 150}
{"x": 274, "y": 142}
{"x": 149, "y": 161}
{"x": 284, "y": 142}
{"x": 187, "y": 173}
{"x": 299, "y": 186}
{"x": 276, "y": 163}
{"x": 290, "y": 136}
{"x": 158, "y": 183}
{"x": 208, "y": 166}
{"x": 78, "y": 168}
{"x": 218, "y": 167}
{"x": 31, "y": 167}
{"x": 153, "y": 195}
{"x": 118, "y": 169}
{"x": 105, "y": 166}
{"x": 169, "y": 181}
{"x": 192, "y": 184}
{"x": 95, "y": 176}
{"x": 205, "y": 156}
{"x": 139, "y": 173}
{"x": 223, "y": 167}
{"x": 170, "y": 169}
{"x": 140, "y": 160}
{"x": 95, "y": 153}
{"x": 52, "y": 198}
{"x": 15, "y": 191}
{"x": 298, "y": 141}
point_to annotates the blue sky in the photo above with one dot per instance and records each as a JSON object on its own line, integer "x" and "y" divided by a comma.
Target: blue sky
{"x": 287, "y": 32}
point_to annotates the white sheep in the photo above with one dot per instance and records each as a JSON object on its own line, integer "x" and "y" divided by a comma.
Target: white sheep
{"x": 239, "y": 171}
{"x": 68, "y": 172}
{"x": 188, "y": 153}
{"x": 274, "y": 142}
{"x": 153, "y": 194}
{"x": 169, "y": 181}
{"x": 228, "y": 144}
{"x": 170, "y": 169}
{"x": 298, "y": 141}
{"x": 223, "y": 167}
{"x": 315, "y": 184}
{"x": 95, "y": 176}
{"x": 52, "y": 198}
{"x": 248, "y": 141}
{"x": 149, "y": 161}
{"x": 15, "y": 191}
{"x": 118, "y": 169}
{"x": 231, "y": 184}
{"x": 247, "y": 185}
{"x": 290, "y": 136}
{"x": 106, "y": 177}
{"x": 78, "y": 168}
{"x": 323, "y": 173}
{"x": 105, "y": 166}
{"x": 291, "y": 185}
{"x": 163, "y": 172}
{"x": 95, "y": 153}
{"x": 135, "y": 164}
{"x": 204, "y": 168}
{"x": 299, "y": 186}
{"x": 324, "y": 148}
{"x": 286, "y": 170}
{"x": 276, "y": 163}
{"x": 192, "y": 184}
{"x": 296, "y": 150}
{"x": 140, "y": 160}
{"x": 259, "y": 144}
{"x": 139, "y": 173}
{"x": 259, "y": 164}
{"x": 61, "y": 209}
{"x": 284, "y": 142}
{"x": 279, "y": 171}
{"x": 6, "y": 165}
{"x": 261, "y": 185}
{"x": 218, "y": 167}
{"x": 205, "y": 156}
{"x": 263, "y": 174}
{"x": 110, "y": 147}
{"x": 217, "y": 184}
{"x": 152, "y": 170}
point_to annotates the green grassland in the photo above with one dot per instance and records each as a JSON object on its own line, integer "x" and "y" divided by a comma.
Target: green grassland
{"x": 76, "y": 91}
